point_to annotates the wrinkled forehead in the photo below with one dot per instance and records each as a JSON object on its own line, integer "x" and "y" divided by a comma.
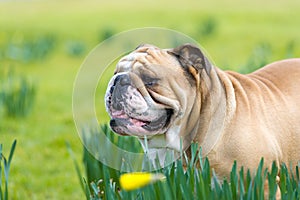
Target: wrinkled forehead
{"x": 141, "y": 56}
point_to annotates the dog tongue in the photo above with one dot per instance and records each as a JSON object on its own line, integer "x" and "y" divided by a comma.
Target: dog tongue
{"x": 120, "y": 114}
{"x": 137, "y": 122}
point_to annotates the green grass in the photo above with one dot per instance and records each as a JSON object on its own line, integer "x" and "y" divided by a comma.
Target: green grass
{"x": 42, "y": 167}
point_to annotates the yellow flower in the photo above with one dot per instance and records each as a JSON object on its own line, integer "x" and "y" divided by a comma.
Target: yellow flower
{"x": 132, "y": 181}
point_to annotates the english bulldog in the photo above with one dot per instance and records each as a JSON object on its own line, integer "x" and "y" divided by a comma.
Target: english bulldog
{"x": 176, "y": 96}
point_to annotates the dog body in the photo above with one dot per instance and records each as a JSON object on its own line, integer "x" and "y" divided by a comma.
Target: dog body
{"x": 262, "y": 117}
{"x": 171, "y": 95}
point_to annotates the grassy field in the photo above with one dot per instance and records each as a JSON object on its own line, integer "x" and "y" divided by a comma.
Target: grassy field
{"x": 42, "y": 167}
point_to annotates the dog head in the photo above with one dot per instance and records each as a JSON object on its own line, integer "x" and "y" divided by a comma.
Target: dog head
{"x": 153, "y": 91}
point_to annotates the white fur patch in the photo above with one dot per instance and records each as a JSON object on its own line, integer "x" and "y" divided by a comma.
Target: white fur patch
{"x": 173, "y": 138}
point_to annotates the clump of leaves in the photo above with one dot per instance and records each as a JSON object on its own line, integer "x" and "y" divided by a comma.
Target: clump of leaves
{"x": 17, "y": 94}
{"x": 27, "y": 50}
{"x": 195, "y": 180}
{"x": 261, "y": 56}
{"x": 75, "y": 48}
{"x": 6, "y": 167}
{"x": 106, "y": 33}
{"x": 207, "y": 28}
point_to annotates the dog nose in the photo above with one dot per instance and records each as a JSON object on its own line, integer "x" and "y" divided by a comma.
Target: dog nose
{"x": 113, "y": 123}
{"x": 122, "y": 79}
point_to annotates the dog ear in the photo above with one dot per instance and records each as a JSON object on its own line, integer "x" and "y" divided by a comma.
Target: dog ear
{"x": 190, "y": 55}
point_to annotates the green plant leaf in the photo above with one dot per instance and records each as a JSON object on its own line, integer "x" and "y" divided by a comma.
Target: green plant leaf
{"x": 77, "y": 168}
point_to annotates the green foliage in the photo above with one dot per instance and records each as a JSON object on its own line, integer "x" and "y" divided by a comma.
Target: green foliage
{"x": 1, "y": 105}
{"x": 106, "y": 33}
{"x": 6, "y": 168}
{"x": 94, "y": 168}
{"x": 208, "y": 27}
{"x": 290, "y": 49}
{"x": 17, "y": 94}
{"x": 289, "y": 184}
{"x": 260, "y": 57}
{"x": 81, "y": 179}
{"x": 194, "y": 181}
{"x": 26, "y": 50}
{"x": 75, "y": 48}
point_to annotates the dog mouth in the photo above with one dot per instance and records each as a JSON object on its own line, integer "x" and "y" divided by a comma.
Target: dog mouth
{"x": 131, "y": 114}
{"x": 124, "y": 124}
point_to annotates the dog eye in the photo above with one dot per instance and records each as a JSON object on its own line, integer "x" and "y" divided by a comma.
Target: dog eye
{"x": 149, "y": 81}
{"x": 150, "y": 84}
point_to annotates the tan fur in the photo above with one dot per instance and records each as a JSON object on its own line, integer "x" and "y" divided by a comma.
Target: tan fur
{"x": 232, "y": 116}
{"x": 262, "y": 120}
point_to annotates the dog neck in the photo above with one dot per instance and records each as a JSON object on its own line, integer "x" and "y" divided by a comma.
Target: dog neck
{"x": 211, "y": 121}
{"x": 215, "y": 112}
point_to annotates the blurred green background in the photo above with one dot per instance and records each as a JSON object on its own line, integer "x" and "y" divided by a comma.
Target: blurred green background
{"x": 44, "y": 43}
